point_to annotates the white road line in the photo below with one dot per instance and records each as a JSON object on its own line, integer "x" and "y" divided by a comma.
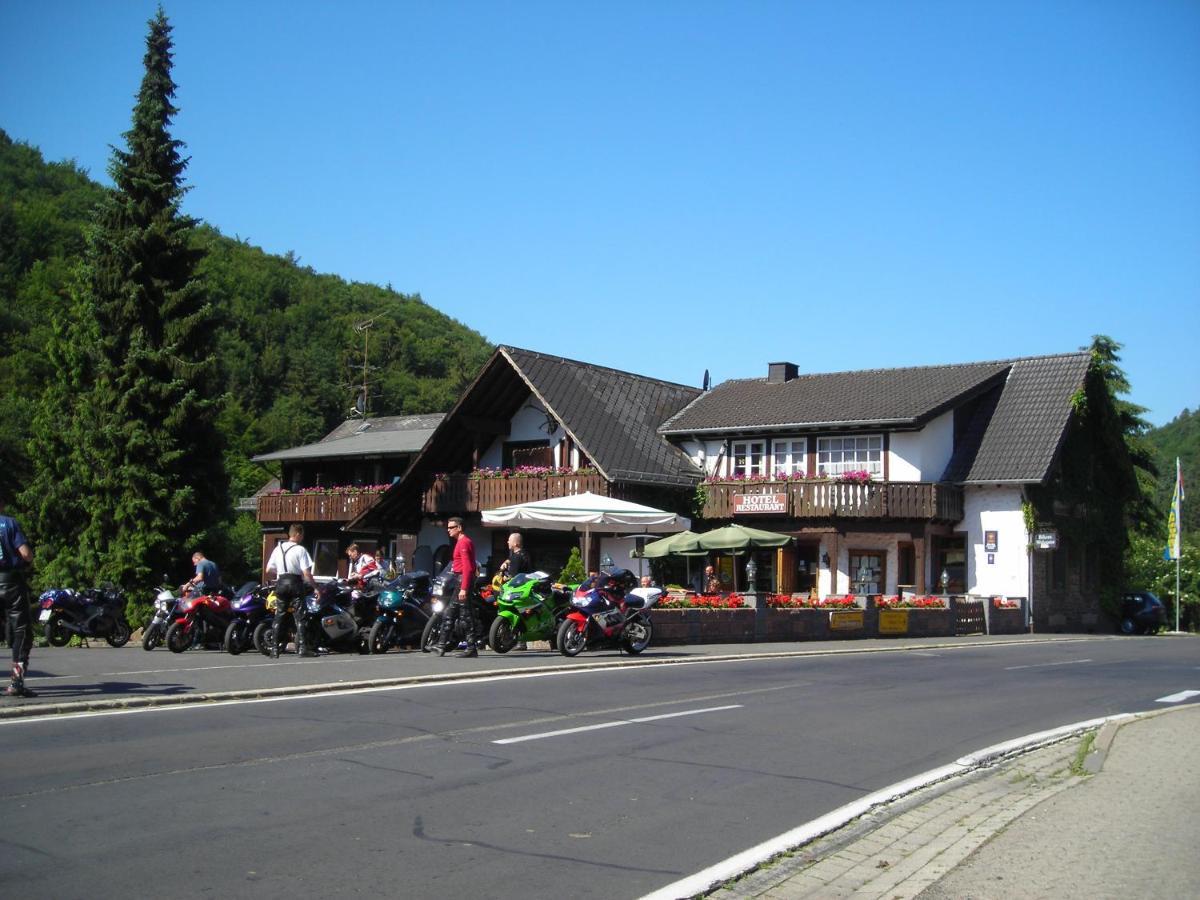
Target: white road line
{"x": 1065, "y": 662}
{"x": 1178, "y": 698}
{"x": 599, "y": 725}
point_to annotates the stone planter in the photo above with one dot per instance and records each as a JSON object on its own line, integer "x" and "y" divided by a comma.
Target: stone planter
{"x": 703, "y": 626}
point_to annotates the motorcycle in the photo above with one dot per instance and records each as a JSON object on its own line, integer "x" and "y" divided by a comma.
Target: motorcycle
{"x": 249, "y": 612}
{"x": 339, "y": 619}
{"x": 404, "y": 611}
{"x": 93, "y": 613}
{"x": 528, "y": 608}
{"x": 444, "y": 590}
{"x": 201, "y": 620}
{"x": 608, "y": 612}
{"x": 165, "y": 605}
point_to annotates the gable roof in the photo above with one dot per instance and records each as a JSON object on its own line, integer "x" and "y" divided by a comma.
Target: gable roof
{"x": 612, "y": 416}
{"x": 1017, "y": 431}
{"x": 380, "y": 436}
{"x": 896, "y": 398}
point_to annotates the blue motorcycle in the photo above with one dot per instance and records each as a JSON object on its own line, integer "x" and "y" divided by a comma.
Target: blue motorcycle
{"x": 93, "y": 613}
{"x": 404, "y": 610}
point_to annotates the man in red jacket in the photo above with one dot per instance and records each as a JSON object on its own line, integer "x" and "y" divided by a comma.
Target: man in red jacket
{"x": 463, "y": 564}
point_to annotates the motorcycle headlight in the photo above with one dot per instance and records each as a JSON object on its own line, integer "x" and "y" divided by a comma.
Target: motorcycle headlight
{"x": 438, "y": 606}
{"x": 160, "y": 604}
{"x": 579, "y": 601}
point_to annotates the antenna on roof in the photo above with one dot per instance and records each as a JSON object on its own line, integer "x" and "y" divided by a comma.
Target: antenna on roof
{"x": 707, "y": 381}
{"x": 362, "y": 402}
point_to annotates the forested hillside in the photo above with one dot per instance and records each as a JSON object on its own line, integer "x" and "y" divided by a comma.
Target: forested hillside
{"x": 288, "y": 353}
{"x": 1179, "y": 438}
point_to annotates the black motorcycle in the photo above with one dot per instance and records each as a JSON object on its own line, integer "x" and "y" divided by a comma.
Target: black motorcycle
{"x": 403, "y": 611}
{"x": 339, "y": 620}
{"x": 93, "y": 613}
{"x": 444, "y": 590}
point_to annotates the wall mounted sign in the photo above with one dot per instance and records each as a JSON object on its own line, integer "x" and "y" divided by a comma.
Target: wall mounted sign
{"x": 991, "y": 559}
{"x": 846, "y": 620}
{"x": 757, "y": 504}
{"x": 893, "y": 621}
{"x": 1047, "y": 539}
{"x": 991, "y": 541}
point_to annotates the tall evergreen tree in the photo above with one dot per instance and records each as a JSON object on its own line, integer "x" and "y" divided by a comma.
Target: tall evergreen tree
{"x": 140, "y": 377}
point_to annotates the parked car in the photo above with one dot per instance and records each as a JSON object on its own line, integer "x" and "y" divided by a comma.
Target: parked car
{"x": 1141, "y": 613}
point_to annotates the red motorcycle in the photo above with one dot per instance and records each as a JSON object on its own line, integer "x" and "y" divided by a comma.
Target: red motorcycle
{"x": 200, "y": 621}
{"x": 608, "y": 612}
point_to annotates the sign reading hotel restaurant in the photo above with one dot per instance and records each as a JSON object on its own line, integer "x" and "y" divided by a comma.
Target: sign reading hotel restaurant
{"x": 747, "y": 504}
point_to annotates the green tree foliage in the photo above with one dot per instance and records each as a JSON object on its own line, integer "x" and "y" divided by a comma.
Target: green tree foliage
{"x": 1148, "y": 570}
{"x": 1178, "y": 439}
{"x": 283, "y": 359}
{"x": 138, "y": 363}
{"x": 572, "y": 572}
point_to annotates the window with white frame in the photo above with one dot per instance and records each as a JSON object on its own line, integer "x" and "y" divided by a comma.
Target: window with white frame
{"x": 748, "y": 458}
{"x": 791, "y": 456}
{"x": 836, "y": 455}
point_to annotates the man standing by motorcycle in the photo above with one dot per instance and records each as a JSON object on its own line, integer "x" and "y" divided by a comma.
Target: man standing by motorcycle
{"x": 463, "y": 564}
{"x": 207, "y": 578}
{"x": 291, "y": 567}
{"x": 517, "y": 564}
{"x": 16, "y": 556}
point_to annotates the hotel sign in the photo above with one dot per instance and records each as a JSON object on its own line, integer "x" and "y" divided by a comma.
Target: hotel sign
{"x": 757, "y": 504}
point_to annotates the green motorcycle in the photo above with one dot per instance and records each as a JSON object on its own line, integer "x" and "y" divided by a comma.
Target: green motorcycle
{"x": 529, "y": 608}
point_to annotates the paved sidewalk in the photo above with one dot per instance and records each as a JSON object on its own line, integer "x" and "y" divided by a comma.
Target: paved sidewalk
{"x": 1035, "y": 825}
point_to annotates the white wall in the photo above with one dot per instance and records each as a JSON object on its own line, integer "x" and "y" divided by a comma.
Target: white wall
{"x": 526, "y": 425}
{"x": 888, "y": 544}
{"x": 922, "y": 455}
{"x": 996, "y": 509}
{"x": 703, "y": 454}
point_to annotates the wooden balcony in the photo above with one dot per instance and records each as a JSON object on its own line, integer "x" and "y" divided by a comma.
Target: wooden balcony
{"x": 845, "y": 500}
{"x": 451, "y": 494}
{"x": 314, "y": 507}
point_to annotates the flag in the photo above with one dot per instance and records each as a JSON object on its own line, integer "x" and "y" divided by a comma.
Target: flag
{"x": 1175, "y": 518}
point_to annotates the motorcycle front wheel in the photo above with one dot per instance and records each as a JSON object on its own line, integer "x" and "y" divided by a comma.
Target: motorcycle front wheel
{"x": 57, "y": 634}
{"x": 234, "y": 640}
{"x": 637, "y": 636}
{"x": 433, "y": 630}
{"x": 178, "y": 639}
{"x": 120, "y": 634}
{"x": 260, "y": 635}
{"x": 380, "y": 638}
{"x": 571, "y": 640}
{"x": 152, "y": 636}
{"x": 501, "y": 636}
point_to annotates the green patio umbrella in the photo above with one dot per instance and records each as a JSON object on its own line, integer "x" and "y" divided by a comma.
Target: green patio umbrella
{"x": 681, "y": 544}
{"x": 738, "y": 537}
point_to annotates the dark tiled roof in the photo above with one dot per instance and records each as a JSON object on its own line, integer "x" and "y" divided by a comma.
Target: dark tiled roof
{"x": 1017, "y": 431}
{"x": 383, "y": 436}
{"x": 899, "y": 397}
{"x": 613, "y": 415}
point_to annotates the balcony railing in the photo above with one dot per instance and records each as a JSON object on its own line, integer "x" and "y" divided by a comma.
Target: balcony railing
{"x": 461, "y": 494}
{"x": 845, "y": 500}
{"x": 314, "y": 507}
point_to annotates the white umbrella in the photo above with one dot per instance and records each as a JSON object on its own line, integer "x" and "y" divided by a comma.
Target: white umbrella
{"x": 590, "y": 512}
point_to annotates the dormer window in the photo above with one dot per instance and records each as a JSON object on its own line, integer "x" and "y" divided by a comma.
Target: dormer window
{"x": 837, "y": 455}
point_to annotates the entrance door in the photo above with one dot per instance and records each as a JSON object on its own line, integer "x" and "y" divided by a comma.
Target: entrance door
{"x": 950, "y": 559}
{"x": 868, "y": 569}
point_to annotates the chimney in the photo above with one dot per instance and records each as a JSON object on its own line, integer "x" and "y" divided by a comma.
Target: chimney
{"x": 779, "y": 372}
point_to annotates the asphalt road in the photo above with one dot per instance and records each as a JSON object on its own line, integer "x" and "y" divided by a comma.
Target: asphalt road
{"x": 622, "y": 780}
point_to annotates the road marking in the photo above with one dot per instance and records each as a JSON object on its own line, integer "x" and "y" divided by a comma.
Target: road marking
{"x": 1065, "y": 662}
{"x": 599, "y": 725}
{"x": 1178, "y": 698}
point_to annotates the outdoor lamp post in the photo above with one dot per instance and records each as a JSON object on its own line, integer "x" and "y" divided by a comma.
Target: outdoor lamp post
{"x": 751, "y": 574}
{"x": 945, "y": 580}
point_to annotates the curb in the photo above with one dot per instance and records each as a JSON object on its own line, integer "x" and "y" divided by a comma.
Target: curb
{"x": 19, "y": 711}
{"x": 716, "y": 875}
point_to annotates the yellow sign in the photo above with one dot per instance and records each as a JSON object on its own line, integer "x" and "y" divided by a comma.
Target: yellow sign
{"x": 846, "y": 620}
{"x": 893, "y": 621}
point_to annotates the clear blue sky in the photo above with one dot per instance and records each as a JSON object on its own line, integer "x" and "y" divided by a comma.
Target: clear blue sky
{"x": 667, "y": 187}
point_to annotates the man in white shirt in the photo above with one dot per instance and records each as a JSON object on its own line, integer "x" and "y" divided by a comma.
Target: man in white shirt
{"x": 291, "y": 567}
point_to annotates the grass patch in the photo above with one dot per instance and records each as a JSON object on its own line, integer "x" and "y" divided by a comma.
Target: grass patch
{"x": 1081, "y": 753}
